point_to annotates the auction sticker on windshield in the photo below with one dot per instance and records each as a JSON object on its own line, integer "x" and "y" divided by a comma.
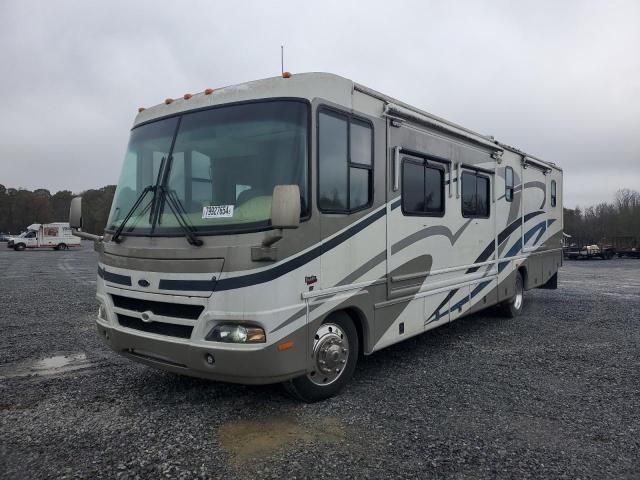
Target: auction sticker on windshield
{"x": 217, "y": 211}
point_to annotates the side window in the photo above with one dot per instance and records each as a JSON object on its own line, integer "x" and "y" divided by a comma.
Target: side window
{"x": 553, "y": 193}
{"x": 422, "y": 188}
{"x": 508, "y": 184}
{"x": 345, "y": 162}
{"x": 475, "y": 195}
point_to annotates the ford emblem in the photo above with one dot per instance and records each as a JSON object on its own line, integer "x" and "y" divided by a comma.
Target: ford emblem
{"x": 143, "y": 283}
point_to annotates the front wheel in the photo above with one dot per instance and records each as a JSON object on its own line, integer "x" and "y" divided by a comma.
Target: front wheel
{"x": 513, "y": 307}
{"x": 19, "y": 247}
{"x": 335, "y": 354}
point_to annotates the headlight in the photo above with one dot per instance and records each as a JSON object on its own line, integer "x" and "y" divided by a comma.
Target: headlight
{"x": 236, "y": 333}
{"x": 101, "y": 312}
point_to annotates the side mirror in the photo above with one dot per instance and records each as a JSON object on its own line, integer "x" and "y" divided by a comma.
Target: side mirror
{"x": 75, "y": 213}
{"x": 285, "y": 206}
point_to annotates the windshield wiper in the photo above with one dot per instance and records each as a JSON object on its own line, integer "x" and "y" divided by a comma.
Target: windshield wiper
{"x": 171, "y": 198}
{"x": 118, "y": 232}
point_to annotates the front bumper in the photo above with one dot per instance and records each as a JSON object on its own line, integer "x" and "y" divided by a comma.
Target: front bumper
{"x": 246, "y": 364}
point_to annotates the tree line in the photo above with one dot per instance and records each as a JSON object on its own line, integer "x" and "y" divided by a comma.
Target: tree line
{"x": 20, "y": 208}
{"x": 617, "y": 222}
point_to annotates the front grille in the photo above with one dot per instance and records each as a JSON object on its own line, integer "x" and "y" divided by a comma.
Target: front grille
{"x": 159, "y": 328}
{"x": 176, "y": 310}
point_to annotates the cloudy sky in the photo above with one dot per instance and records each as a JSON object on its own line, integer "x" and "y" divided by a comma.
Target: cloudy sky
{"x": 559, "y": 79}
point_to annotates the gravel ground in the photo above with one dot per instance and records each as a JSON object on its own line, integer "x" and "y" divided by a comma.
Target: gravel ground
{"x": 552, "y": 394}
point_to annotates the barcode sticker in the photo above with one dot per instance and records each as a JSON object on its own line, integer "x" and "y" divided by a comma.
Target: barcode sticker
{"x": 217, "y": 211}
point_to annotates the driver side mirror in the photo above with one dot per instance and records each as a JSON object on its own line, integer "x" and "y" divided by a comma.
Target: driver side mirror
{"x": 285, "y": 206}
{"x": 75, "y": 213}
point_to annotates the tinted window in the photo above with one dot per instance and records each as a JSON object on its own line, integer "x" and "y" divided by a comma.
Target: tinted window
{"x": 412, "y": 187}
{"x": 332, "y": 161}
{"x": 358, "y": 188}
{"x": 553, "y": 193}
{"x": 345, "y": 157}
{"x": 468, "y": 194}
{"x": 475, "y": 195}
{"x": 422, "y": 188}
{"x": 433, "y": 191}
{"x": 482, "y": 195}
{"x": 360, "y": 143}
{"x": 508, "y": 184}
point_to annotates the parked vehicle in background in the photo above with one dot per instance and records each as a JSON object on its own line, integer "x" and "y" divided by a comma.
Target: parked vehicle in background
{"x": 4, "y": 237}
{"x": 49, "y": 235}
{"x": 604, "y": 252}
{"x": 627, "y": 246}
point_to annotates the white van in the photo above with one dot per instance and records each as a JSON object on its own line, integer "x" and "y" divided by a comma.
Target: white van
{"x": 48, "y": 235}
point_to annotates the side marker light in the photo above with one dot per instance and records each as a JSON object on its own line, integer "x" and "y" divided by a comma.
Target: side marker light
{"x": 285, "y": 345}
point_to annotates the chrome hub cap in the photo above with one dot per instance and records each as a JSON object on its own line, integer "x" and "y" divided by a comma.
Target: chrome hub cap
{"x": 330, "y": 354}
{"x": 517, "y": 301}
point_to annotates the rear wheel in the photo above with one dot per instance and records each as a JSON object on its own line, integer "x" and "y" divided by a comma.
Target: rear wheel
{"x": 61, "y": 246}
{"x": 335, "y": 354}
{"x": 513, "y": 307}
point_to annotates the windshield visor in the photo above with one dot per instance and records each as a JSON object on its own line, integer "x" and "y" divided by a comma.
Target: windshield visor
{"x": 222, "y": 169}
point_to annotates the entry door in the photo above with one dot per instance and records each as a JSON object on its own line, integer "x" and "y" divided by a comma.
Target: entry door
{"x": 417, "y": 208}
{"x": 534, "y": 195}
{"x": 435, "y": 253}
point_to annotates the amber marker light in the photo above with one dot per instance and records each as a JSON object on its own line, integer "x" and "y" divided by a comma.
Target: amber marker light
{"x": 141, "y": 109}
{"x": 168, "y": 101}
{"x": 208, "y": 91}
{"x": 187, "y": 96}
{"x": 286, "y": 75}
{"x": 285, "y": 345}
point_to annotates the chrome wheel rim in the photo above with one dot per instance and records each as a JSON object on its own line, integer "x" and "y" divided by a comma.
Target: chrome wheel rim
{"x": 517, "y": 301}
{"x": 330, "y": 354}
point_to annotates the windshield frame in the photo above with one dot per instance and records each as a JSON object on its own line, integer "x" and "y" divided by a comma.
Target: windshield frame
{"x": 239, "y": 228}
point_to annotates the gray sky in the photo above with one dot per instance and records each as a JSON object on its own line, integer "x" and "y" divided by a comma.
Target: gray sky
{"x": 558, "y": 79}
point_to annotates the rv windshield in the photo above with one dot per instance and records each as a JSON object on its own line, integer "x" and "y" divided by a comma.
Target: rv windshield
{"x": 222, "y": 169}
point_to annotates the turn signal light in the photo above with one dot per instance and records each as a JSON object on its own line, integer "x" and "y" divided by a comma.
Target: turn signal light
{"x": 187, "y": 96}
{"x": 208, "y": 91}
{"x": 286, "y": 75}
{"x": 168, "y": 101}
{"x": 141, "y": 109}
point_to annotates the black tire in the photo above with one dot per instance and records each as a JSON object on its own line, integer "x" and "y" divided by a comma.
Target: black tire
{"x": 308, "y": 390}
{"x": 19, "y": 247}
{"x": 513, "y": 307}
{"x": 61, "y": 246}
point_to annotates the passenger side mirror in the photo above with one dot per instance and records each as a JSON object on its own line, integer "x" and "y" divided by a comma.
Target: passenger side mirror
{"x": 75, "y": 213}
{"x": 285, "y": 206}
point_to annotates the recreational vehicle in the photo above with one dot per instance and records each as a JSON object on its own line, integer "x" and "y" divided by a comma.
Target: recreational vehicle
{"x": 49, "y": 235}
{"x": 277, "y": 230}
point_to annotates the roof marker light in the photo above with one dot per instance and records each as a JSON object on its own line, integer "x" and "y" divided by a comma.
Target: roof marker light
{"x": 141, "y": 109}
{"x": 168, "y": 101}
{"x": 286, "y": 74}
{"x": 208, "y": 91}
{"x": 187, "y": 96}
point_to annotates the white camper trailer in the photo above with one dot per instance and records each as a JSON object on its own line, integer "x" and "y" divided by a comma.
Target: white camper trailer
{"x": 274, "y": 231}
{"x": 49, "y": 235}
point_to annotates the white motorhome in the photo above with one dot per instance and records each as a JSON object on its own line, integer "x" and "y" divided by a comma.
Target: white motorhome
{"x": 274, "y": 231}
{"x": 56, "y": 235}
